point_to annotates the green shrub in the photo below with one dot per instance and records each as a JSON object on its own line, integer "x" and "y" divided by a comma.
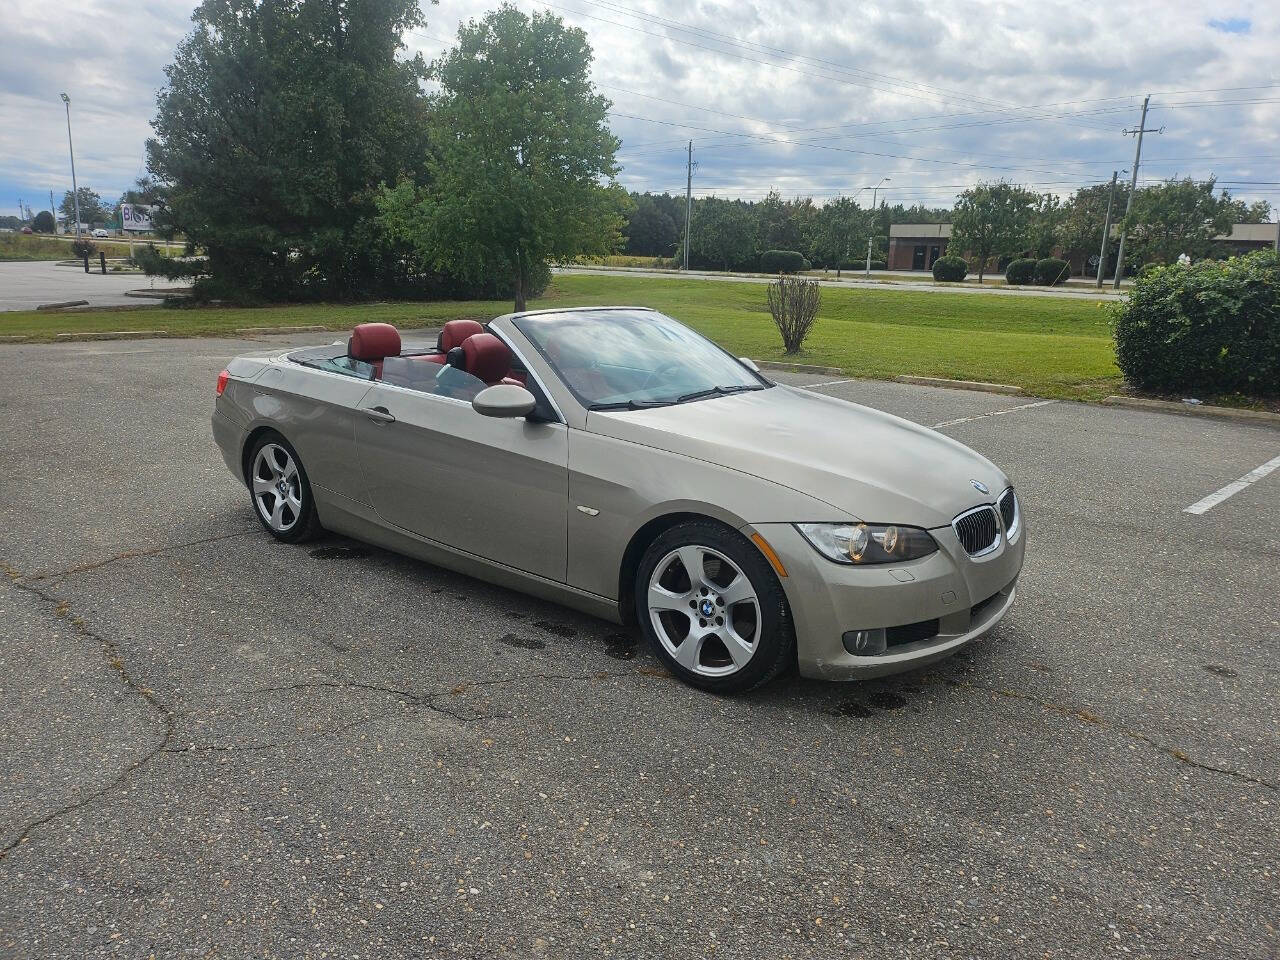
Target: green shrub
{"x": 83, "y": 247}
{"x": 782, "y": 261}
{"x": 862, "y": 265}
{"x": 1051, "y": 272}
{"x": 950, "y": 269}
{"x": 43, "y": 223}
{"x": 1020, "y": 271}
{"x": 1212, "y": 328}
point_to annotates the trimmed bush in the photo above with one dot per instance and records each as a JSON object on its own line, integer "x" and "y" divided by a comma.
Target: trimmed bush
{"x": 83, "y": 247}
{"x": 1020, "y": 271}
{"x": 1051, "y": 272}
{"x": 1212, "y": 328}
{"x": 862, "y": 265}
{"x": 782, "y": 261}
{"x": 950, "y": 269}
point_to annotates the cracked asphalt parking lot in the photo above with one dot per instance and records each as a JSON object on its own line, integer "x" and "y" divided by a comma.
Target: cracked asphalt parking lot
{"x": 212, "y": 744}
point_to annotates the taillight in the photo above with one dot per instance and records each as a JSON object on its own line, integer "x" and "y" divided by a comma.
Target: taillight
{"x": 223, "y": 377}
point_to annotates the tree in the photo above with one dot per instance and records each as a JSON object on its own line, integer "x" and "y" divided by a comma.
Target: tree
{"x": 1181, "y": 216}
{"x": 839, "y": 230}
{"x": 992, "y": 219}
{"x": 522, "y": 152}
{"x": 91, "y": 208}
{"x": 43, "y": 223}
{"x": 1079, "y": 231}
{"x": 1042, "y": 229}
{"x": 722, "y": 233}
{"x": 650, "y": 231}
{"x": 1257, "y": 212}
{"x": 278, "y": 121}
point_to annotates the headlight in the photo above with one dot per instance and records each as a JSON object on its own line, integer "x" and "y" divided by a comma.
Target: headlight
{"x": 862, "y": 544}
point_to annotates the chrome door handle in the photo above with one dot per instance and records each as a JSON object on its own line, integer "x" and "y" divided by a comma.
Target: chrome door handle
{"x": 379, "y": 414}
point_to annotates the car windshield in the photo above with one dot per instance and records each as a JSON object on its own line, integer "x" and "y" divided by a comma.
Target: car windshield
{"x": 630, "y": 359}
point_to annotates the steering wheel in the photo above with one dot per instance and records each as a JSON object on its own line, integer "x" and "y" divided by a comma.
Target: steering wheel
{"x": 670, "y": 364}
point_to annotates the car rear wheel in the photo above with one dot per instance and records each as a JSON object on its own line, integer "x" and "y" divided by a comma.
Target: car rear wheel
{"x": 280, "y": 491}
{"x": 713, "y": 609}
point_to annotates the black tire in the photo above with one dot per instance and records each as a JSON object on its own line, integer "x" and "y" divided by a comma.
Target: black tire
{"x": 306, "y": 522}
{"x": 774, "y": 641}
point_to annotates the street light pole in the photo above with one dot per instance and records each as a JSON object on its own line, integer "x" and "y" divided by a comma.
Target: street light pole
{"x": 75, "y": 189}
{"x": 871, "y": 236}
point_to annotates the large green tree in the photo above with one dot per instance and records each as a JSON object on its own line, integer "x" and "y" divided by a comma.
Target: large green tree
{"x": 992, "y": 220}
{"x": 523, "y": 160}
{"x": 723, "y": 234}
{"x": 92, "y": 209}
{"x": 278, "y": 122}
{"x": 839, "y": 232}
{"x": 1079, "y": 231}
{"x": 1181, "y": 216}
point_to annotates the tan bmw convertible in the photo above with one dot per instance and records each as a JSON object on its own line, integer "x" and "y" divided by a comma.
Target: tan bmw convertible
{"x": 612, "y": 459}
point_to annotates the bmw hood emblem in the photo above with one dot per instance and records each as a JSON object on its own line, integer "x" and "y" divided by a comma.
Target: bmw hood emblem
{"x": 979, "y": 486}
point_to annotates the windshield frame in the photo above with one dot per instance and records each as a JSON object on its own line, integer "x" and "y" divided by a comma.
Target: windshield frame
{"x": 522, "y": 324}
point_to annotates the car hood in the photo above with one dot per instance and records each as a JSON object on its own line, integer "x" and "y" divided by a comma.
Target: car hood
{"x": 869, "y": 465}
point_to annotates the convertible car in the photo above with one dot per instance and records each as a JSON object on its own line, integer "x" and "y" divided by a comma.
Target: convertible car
{"x": 613, "y": 460}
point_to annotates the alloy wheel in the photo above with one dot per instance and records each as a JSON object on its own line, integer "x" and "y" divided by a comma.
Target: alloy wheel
{"x": 277, "y": 488}
{"x": 704, "y": 610}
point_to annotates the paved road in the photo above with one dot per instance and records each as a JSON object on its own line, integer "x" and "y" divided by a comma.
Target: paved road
{"x": 24, "y": 285}
{"x": 922, "y": 284}
{"x": 212, "y": 744}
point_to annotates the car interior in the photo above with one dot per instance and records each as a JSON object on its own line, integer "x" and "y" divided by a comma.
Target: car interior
{"x": 465, "y": 360}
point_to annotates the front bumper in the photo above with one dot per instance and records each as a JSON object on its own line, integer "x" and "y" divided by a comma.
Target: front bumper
{"x": 966, "y": 595}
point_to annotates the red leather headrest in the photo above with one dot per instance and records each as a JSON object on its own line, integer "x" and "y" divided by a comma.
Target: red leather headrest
{"x": 373, "y": 341}
{"x": 486, "y": 357}
{"x": 455, "y": 331}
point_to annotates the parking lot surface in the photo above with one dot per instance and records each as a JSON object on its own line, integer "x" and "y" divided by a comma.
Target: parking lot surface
{"x": 213, "y": 744}
{"x": 25, "y": 285}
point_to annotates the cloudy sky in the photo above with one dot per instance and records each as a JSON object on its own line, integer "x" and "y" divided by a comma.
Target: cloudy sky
{"x": 811, "y": 98}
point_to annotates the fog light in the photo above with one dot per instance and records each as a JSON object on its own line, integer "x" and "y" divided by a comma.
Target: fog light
{"x": 864, "y": 643}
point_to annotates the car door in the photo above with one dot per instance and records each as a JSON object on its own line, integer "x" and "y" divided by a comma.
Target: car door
{"x": 496, "y": 488}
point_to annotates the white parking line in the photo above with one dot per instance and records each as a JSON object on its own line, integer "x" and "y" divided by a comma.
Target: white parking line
{"x": 1232, "y": 488}
{"x": 994, "y": 413}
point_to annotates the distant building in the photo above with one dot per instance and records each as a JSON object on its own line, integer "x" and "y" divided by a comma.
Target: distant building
{"x": 915, "y": 246}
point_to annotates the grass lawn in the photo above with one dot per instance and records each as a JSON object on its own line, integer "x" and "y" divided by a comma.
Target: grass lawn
{"x": 23, "y": 246}
{"x": 1052, "y": 347}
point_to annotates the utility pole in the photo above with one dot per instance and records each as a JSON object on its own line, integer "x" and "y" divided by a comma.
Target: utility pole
{"x": 75, "y": 190}
{"x": 1133, "y": 185}
{"x": 54, "y": 211}
{"x": 871, "y": 236}
{"x": 688, "y": 202}
{"x": 1106, "y": 231}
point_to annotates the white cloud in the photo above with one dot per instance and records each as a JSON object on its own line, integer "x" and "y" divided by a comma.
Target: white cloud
{"x": 915, "y": 91}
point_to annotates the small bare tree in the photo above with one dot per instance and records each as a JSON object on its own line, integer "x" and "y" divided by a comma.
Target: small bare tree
{"x": 794, "y": 302}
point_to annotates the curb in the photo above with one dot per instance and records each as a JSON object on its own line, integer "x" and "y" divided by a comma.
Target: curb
{"x": 61, "y": 304}
{"x": 112, "y": 335}
{"x": 1193, "y": 410}
{"x": 161, "y": 294}
{"x": 961, "y": 384}
{"x": 313, "y": 328}
{"x": 798, "y": 367}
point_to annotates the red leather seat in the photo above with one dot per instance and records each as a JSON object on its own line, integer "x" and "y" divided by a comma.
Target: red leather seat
{"x": 486, "y": 358}
{"x": 452, "y": 335}
{"x": 372, "y": 343}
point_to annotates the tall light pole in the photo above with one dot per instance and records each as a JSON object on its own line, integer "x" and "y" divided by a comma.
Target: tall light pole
{"x": 871, "y": 236}
{"x": 75, "y": 189}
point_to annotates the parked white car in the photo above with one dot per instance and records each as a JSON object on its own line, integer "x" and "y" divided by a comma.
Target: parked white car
{"x": 101, "y": 233}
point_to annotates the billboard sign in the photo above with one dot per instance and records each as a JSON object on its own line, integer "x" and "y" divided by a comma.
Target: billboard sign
{"x": 135, "y": 216}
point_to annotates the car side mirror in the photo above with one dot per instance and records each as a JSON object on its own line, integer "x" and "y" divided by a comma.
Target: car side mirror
{"x": 504, "y": 400}
{"x": 751, "y": 364}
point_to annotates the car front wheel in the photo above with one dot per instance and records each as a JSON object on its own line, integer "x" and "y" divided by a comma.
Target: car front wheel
{"x": 713, "y": 609}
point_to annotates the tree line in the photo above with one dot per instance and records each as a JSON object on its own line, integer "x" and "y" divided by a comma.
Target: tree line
{"x": 991, "y": 222}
